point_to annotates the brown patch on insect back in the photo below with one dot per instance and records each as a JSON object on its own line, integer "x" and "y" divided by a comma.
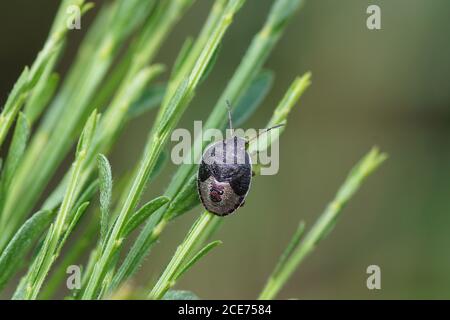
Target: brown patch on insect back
{"x": 216, "y": 192}
{"x": 210, "y": 190}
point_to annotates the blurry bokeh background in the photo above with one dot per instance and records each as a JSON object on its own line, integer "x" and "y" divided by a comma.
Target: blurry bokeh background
{"x": 389, "y": 88}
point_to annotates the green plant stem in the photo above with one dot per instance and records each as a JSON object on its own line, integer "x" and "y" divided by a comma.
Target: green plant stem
{"x": 208, "y": 223}
{"x": 53, "y": 242}
{"x": 70, "y": 109}
{"x": 193, "y": 54}
{"x": 183, "y": 252}
{"x": 133, "y": 82}
{"x": 187, "y": 64}
{"x": 323, "y": 225}
{"x": 146, "y": 47}
{"x": 176, "y": 107}
{"x": 262, "y": 44}
{"x": 71, "y": 258}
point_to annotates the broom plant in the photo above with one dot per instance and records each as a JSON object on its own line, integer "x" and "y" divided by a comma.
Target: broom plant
{"x": 110, "y": 83}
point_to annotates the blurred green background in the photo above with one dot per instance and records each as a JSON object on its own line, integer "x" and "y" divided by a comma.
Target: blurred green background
{"x": 388, "y": 88}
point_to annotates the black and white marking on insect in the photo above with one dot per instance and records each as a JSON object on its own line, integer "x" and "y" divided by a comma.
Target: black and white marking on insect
{"x": 225, "y": 174}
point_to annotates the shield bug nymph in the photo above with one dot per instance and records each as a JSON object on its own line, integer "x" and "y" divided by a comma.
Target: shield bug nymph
{"x": 225, "y": 173}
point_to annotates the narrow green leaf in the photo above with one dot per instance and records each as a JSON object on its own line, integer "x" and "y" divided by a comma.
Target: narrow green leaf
{"x": 87, "y": 134}
{"x": 180, "y": 295}
{"x": 87, "y": 194}
{"x": 16, "y": 150}
{"x": 14, "y": 254}
{"x": 38, "y": 68}
{"x": 24, "y": 285}
{"x": 184, "y": 251}
{"x": 211, "y": 64}
{"x": 151, "y": 98}
{"x": 20, "y": 290}
{"x": 18, "y": 89}
{"x": 13, "y": 104}
{"x": 143, "y": 214}
{"x": 182, "y": 55}
{"x": 292, "y": 96}
{"x": 351, "y": 185}
{"x": 65, "y": 220}
{"x": 73, "y": 222}
{"x": 166, "y": 121}
{"x": 181, "y": 96}
{"x": 14, "y": 157}
{"x": 41, "y": 96}
{"x": 160, "y": 163}
{"x": 54, "y": 200}
{"x": 250, "y": 66}
{"x": 281, "y": 12}
{"x": 105, "y": 184}
{"x": 252, "y": 98}
{"x": 64, "y": 120}
{"x": 324, "y": 224}
{"x": 281, "y": 112}
{"x": 290, "y": 248}
{"x": 197, "y": 257}
{"x": 72, "y": 256}
{"x": 185, "y": 200}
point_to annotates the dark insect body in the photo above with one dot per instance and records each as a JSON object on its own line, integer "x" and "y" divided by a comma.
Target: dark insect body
{"x": 225, "y": 174}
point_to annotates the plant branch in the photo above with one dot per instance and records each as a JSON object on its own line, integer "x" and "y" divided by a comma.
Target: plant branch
{"x": 323, "y": 226}
{"x": 203, "y": 226}
{"x": 163, "y": 128}
{"x": 262, "y": 44}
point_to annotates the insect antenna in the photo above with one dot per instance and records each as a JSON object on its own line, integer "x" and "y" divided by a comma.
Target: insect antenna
{"x": 229, "y": 117}
{"x": 265, "y": 131}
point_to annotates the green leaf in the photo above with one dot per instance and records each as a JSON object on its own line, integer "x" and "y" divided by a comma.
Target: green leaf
{"x": 291, "y": 247}
{"x": 76, "y": 217}
{"x": 185, "y": 200}
{"x": 87, "y": 134}
{"x": 281, "y": 12}
{"x": 65, "y": 220}
{"x": 292, "y": 96}
{"x": 211, "y": 64}
{"x": 181, "y": 97}
{"x": 19, "y": 87}
{"x": 87, "y": 194}
{"x": 204, "y": 251}
{"x": 150, "y": 98}
{"x": 14, "y": 157}
{"x": 14, "y": 254}
{"x": 56, "y": 197}
{"x": 38, "y": 68}
{"x": 166, "y": 122}
{"x": 298, "y": 250}
{"x": 54, "y": 200}
{"x": 182, "y": 55}
{"x": 105, "y": 182}
{"x": 41, "y": 96}
{"x": 180, "y": 295}
{"x": 20, "y": 290}
{"x": 33, "y": 270}
{"x": 16, "y": 150}
{"x": 143, "y": 214}
{"x": 371, "y": 161}
{"x": 252, "y": 98}
{"x": 13, "y": 104}
{"x": 280, "y": 114}
{"x": 160, "y": 163}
